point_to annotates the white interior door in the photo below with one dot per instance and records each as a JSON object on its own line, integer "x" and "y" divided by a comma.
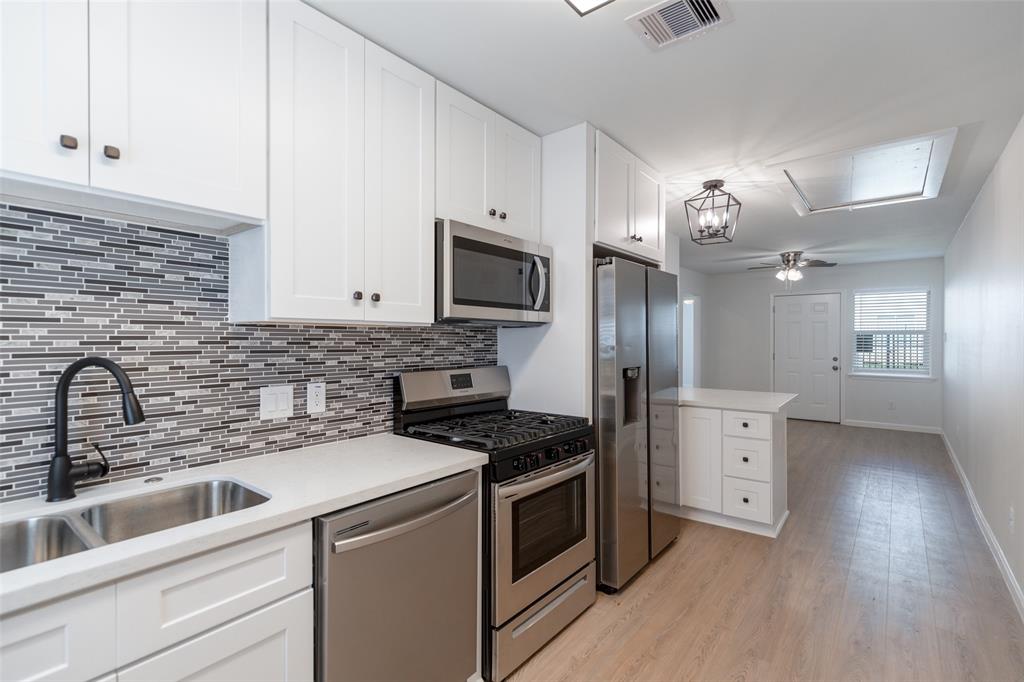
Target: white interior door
{"x": 807, "y": 333}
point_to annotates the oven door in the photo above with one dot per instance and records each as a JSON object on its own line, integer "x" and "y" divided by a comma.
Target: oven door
{"x": 543, "y": 533}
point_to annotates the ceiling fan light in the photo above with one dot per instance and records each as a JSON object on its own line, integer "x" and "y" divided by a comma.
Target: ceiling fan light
{"x": 781, "y": 275}
{"x": 794, "y": 275}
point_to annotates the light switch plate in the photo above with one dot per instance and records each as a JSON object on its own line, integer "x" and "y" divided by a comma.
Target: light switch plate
{"x": 316, "y": 397}
{"x": 276, "y": 402}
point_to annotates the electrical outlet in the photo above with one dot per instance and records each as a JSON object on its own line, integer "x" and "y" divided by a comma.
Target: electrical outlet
{"x": 316, "y": 397}
{"x": 1012, "y": 519}
{"x": 276, "y": 402}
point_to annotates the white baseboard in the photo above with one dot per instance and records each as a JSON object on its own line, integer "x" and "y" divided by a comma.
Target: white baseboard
{"x": 891, "y": 427}
{"x": 1016, "y": 592}
{"x": 732, "y": 522}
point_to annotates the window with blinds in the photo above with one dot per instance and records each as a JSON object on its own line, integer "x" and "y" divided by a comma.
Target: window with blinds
{"x": 891, "y": 333}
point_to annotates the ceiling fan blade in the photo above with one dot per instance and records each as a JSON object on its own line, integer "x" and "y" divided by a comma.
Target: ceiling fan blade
{"x": 818, "y": 264}
{"x": 765, "y": 267}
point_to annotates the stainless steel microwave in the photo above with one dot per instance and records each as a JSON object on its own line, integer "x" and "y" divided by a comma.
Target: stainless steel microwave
{"x": 489, "y": 277}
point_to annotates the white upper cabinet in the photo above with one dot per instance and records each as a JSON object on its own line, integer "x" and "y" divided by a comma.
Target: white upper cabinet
{"x": 178, "y": 91}
{"x": 399, "y": 248}
{"x": 488, "y": 168}
{"x": 629, "y": 212}
{"x": 44, "y": 108}
{"x": 315, "y": 223}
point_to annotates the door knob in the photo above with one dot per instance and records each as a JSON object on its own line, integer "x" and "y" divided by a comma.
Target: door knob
{"x": 835, "y": 359}
{"x": 69, "y": 142}
{"x": 358, "y": 295}
{"x": 746, "y": 459}
{"x": 111, "y": 152}
{"x": 492, "y": 213}
{"x": 375, "y": 297}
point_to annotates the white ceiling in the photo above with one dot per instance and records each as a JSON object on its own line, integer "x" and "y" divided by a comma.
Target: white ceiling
{"x": 783, "y": 80}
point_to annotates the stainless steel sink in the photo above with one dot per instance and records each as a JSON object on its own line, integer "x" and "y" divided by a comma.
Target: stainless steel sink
{"x": 131, "y": 517}
{"x": 31, "y": 541}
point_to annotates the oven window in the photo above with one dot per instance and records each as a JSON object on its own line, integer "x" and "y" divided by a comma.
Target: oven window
{"x": 547, "y": 523}
{"x": 487, "y": 275}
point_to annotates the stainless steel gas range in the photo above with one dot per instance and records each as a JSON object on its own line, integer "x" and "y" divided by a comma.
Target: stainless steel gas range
{"x": 539, "y": 512}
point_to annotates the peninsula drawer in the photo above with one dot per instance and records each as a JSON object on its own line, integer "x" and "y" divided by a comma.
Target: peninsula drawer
{"x": 751, "y": 500}
{"x": 747, "y": 424}
{"x": 168, "y": 605}
{"x": 747, "y": 458}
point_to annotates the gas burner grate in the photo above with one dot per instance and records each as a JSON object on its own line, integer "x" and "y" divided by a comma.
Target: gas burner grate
{"x": 495, "y": 430}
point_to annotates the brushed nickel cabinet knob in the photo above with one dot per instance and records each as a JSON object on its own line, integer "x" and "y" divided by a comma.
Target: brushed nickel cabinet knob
{"x": 69, "y": 142}
{"x": 375, "y": 297}
{"x": 111, "y": 152}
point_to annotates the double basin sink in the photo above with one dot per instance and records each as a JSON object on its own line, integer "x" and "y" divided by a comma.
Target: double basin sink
{"x": 41, "y": 538}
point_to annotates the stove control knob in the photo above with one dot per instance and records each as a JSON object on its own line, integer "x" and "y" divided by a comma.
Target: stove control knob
{"x": 518, "y": 463}
{"x": 534, "y": 461}
{"x": 553, "y": 453}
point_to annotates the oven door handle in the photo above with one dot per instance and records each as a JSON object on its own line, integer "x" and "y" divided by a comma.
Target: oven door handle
{"x": 534, "y": 484}
{"x": 538, "y": 266}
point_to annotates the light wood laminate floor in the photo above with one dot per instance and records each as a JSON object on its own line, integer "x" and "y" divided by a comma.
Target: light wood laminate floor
{"x": 880, "y": 574}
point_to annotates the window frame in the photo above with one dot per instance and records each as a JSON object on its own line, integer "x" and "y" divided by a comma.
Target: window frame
{"x": 902, "y": 375}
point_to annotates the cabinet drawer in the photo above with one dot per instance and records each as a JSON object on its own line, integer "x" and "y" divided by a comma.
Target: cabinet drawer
{"x": 67, "y": 640}
{"x": 663, "y": 416}
{"x": 747, "y": 424}
{"x": 663, "y": 484}
{"x": 663, "y": 448}
{"x": 274, "y": 643}
{"x": 165, "y": 606}
{"x": 750, "y": 500}
{"x": 747, "y": 458}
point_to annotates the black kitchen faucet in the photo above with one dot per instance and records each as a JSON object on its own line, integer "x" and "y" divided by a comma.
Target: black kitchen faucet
{"x": 60, "y": 482}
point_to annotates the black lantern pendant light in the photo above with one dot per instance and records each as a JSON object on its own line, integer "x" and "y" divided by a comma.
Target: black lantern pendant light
{"x": 712, "y": 214}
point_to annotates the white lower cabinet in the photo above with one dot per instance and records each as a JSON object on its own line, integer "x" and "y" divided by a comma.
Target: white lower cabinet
{"x": 274, "y": 643}
{"x": 72, "y": 639}
{"x": 732, "y": 469}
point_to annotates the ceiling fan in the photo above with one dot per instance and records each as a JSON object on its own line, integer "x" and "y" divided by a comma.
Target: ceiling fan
{"x": 789, "y": 271}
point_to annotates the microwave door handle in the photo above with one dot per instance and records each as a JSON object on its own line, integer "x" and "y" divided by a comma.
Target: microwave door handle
{"x": 538, "y": 265}
{"x": 545, "y": 481}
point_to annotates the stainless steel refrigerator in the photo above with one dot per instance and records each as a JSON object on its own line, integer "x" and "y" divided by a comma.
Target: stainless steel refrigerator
{"x": 635, "y": 383}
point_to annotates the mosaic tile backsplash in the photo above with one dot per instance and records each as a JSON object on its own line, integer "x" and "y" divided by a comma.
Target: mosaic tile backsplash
{"x": 155, "y": 301}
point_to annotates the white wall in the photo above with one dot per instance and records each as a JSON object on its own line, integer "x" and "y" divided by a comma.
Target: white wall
{"x": 984, "y": 369}
{"x": 550, "y": 365}
{"x": 737, "y": 338}
{"x": 691, "y": 283}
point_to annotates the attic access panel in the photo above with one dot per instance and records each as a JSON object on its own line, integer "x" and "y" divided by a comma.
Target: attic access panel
{"x": 892, "y": 172}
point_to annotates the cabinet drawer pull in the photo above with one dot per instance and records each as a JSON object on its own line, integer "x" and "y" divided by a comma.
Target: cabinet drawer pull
{"x": 746, "y": 500}
{"x": 375, "y": 298}
{"x": 69, "y": 142}
{"x": 746, "y": 459}
{"x": 358, "y": 295}
{"x": 111, "y": 152}
{"x": 492, "y": 213}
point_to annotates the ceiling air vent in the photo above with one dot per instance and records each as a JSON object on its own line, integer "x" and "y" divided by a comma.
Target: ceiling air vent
{"x": 674, "y": 20}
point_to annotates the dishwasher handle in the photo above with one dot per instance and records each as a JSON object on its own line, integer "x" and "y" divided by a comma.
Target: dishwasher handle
{"x": 397, "y": 529}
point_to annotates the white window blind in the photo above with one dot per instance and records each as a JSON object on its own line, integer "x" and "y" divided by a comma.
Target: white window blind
{"x": 891, "y": 332}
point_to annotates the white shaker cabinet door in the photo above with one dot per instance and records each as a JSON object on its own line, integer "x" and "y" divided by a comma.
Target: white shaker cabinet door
{"x": 516, "y": 180}
{"x": 700, "y": 452}
{"x": 273, "y": 644}
{"x": 465, "y": 144}
{"x": 649, "y": 213}
{"x": 315, "y": 222}
{"x": 69, "y": 639}
{"x": 44, "y": 103}
{"x": 399, "y": 190}
{"x": 613, "y": 213}
{"x": 178, "y": 96}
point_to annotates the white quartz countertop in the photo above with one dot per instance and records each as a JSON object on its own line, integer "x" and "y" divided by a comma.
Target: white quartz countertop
{"x": 302, "y": 484}
{"x": 742, "y": 401}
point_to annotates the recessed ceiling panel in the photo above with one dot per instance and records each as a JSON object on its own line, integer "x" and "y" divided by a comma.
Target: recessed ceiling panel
{"x": 891, "y": 172}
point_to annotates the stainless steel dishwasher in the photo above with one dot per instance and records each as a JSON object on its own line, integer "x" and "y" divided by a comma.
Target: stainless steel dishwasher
{"x": 397, "y": 591}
